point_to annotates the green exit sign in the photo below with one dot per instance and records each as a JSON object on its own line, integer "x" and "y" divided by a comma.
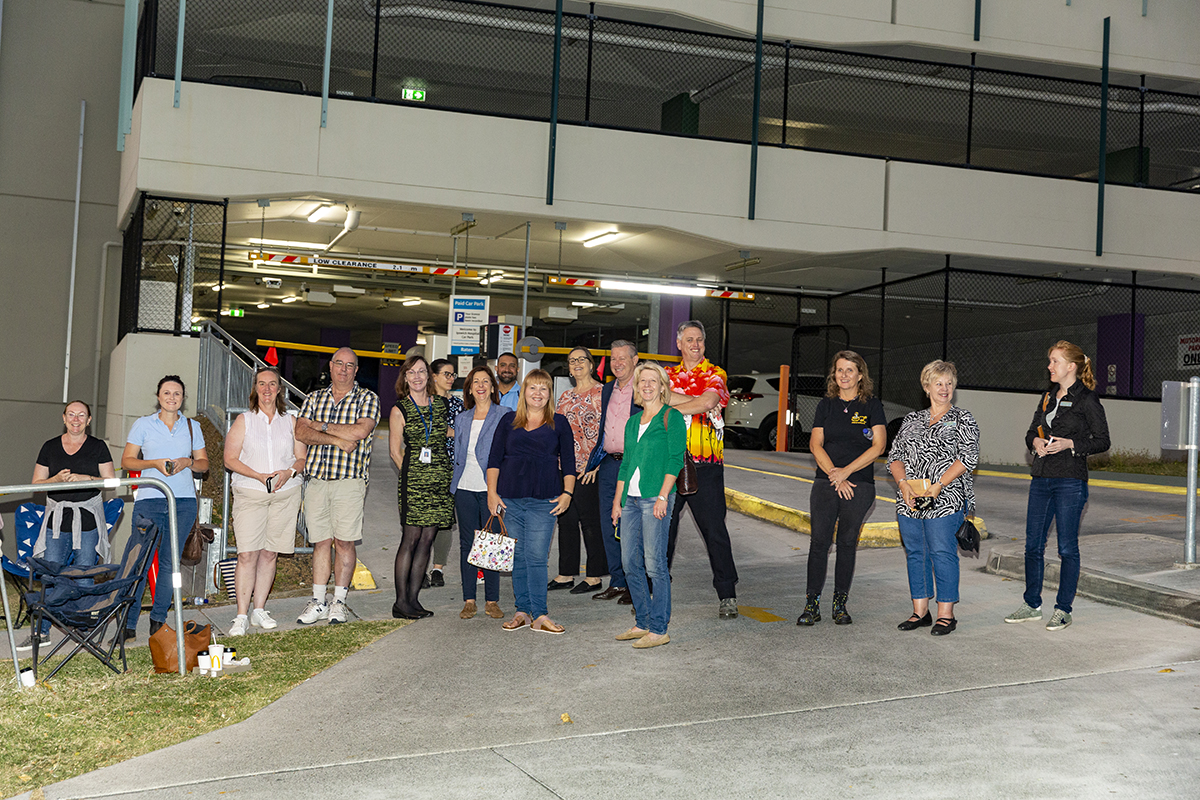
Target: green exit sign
{"x": 237, "y": 312}
{"x": 415, "y": 95}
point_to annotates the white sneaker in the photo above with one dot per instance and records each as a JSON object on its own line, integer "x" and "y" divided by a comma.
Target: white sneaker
{"x": 261, "y": 618}
{"x": 312, "y": 612}
{"x": 239, "y": 626}
{"x": 337, "y": 612}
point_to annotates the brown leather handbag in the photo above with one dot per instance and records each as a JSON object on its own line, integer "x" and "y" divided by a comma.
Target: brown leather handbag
{"x": 164, "y": 653}
{"x": 687, "y": 483}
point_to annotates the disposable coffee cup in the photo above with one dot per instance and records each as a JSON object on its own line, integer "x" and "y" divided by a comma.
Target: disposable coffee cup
{"x": 216, "y": 652}
{"x": 205, "y": 662}
{"x": 27, "y": 679}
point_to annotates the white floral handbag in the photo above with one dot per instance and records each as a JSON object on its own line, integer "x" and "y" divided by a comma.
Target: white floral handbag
{"x": 493, "y": 551}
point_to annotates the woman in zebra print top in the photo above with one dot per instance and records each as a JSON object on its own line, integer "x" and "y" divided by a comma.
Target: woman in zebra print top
{"x": 932, "y": 459}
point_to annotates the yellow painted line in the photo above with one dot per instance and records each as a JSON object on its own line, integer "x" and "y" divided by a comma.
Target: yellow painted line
{"x": 796, "y": 478}
{"x": 1101, "y": 482}
{"x": 874, "y": 534}
{"x": 759, "y": 614}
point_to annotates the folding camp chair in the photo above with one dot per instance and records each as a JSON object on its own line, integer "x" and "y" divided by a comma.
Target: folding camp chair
{"x": 29, "y": 524}
{"x": 82, "y": 604}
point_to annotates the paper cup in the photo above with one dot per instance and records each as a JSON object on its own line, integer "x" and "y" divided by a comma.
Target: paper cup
{"x": 27, "y": 679}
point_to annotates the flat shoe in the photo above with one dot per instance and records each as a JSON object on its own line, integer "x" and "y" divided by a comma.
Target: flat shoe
{"x": 400, "y": 613}
{"x": 632, "y": 633}
{"x": 583, "y": 587}
{"x": 468, "y": 611}
{"x": 492, "y": 609}
{"x": 554, "y": 586}
{"x": 914, "y": 622}
{"x": 652, "y": 640}
{"x": 625, "y": 599}
{"x": 941, "y": 630}
{"x": 612, "y": 592}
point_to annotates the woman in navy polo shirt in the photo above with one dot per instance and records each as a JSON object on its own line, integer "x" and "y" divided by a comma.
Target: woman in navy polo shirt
{"x": 849, "y": 432}
{"x": 168, "y": 446}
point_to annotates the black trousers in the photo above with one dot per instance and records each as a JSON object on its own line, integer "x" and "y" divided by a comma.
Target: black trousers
{"x": 583, "y": 513}
{"x": 828, "y": 511}
{"x": 708, "y": 509}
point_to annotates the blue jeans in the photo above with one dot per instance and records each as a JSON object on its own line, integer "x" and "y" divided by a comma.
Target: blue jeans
{"x": 644, "y": 553}
{"x": 155, "y": 509}
{"x": 529, "y": 519}
{"x": 607, "y": 480}
{"x": 1058, "y": 500}
{"x": 60, "y": 550}
{"x": 472, "y": 512}
{"x": 932, "y": 554}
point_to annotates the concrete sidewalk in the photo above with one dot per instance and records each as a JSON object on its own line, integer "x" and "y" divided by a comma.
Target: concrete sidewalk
{"x": 752, "y": 707}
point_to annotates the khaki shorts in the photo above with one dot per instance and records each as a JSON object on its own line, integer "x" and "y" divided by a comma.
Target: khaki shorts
{"x": 334, "y": 509}
{"x": 264, "y": 521}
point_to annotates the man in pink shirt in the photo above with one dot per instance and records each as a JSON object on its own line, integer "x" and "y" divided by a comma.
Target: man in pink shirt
{"x": 616, "y": 406}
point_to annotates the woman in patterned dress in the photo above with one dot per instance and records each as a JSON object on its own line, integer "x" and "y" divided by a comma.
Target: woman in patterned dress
{"x": 932, "y": 459}
{"x": 581, "y": 406}
{"x": 443, "y": 377}
{"x": 417, "y": 434}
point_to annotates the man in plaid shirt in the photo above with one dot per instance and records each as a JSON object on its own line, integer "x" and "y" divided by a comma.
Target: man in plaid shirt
{"x": 337, "y": 424}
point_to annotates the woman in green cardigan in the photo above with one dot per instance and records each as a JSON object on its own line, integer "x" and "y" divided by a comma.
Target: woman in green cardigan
{"x": 654, "y": 447}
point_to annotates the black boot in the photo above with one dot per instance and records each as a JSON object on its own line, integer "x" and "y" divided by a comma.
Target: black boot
{"x": 155, "y": 625}
{"x": 812, "y": 611}
{"x": 840, "y": 617}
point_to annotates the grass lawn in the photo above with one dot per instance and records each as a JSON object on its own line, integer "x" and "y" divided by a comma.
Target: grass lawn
{"x": 89, "y": 717}
{"x": 1137, "y": 464}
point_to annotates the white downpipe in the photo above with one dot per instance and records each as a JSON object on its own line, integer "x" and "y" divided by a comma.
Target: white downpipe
{"x": 100, "y": 322}
{"x": 74, "y": 252}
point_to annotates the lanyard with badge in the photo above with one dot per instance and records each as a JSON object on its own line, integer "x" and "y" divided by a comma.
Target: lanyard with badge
{"x": 426, "y": 452}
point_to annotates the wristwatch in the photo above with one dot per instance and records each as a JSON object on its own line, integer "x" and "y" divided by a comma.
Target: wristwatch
{"x": 660, "y": 497}
{"x": 324, "y": 427}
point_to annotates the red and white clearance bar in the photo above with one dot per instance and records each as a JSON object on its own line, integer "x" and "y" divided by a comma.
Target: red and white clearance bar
{"x": 353, "y": 263}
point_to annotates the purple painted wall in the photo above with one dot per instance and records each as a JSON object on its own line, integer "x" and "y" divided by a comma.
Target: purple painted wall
{"x": 1118, "y": 371}
{"x": 406, "y": 337}
{"x": 673, "y": 311}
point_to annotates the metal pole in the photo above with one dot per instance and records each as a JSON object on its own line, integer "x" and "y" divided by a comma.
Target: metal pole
{"x": 946, "y": 313}
{"x": 978, "y": 14}
{"x": 128, "y": 57}
{"x": 1132, "y": 330}
{"x": 1143, "y": 178}
{"x": 787, "y": 81}
{"x": 587, "y": 91}
{"x": 1103, "y": 142}
{"x": 74, "y": 251}
{"x": 100, "y": 321}
{"x": 179, "y": 50}
{"x": 375, "y": 56}
{"x": 882, "y": 326}
{"x": 325, "y": 70}
{"x": 758, "y": 60}
{"x": 454, "y": 275}
{"x": 971, "y": 110}
{"x": 12, "y": 638}
{"x": 558, "y": 19}
{"x": 1189, "y": 542}
{"x": 525, "y": 286}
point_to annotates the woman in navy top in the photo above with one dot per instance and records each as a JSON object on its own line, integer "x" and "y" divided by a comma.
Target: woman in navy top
{"x": 531, "y": 475}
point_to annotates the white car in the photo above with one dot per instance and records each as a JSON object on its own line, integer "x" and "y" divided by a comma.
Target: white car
{"x": 754, "y": 408}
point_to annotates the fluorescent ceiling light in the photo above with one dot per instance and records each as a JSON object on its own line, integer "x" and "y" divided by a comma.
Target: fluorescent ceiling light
{"x": 652, "y": 288}
{"x": 582, "y": 304}
{"x": 603, "y": 238}
{"x": 319, "y": 213}
{"x": 264, "y": 305}
{"x": 290, "y": 299}
{"x": 416, "y": 301}
{"x": 290, "y": 243}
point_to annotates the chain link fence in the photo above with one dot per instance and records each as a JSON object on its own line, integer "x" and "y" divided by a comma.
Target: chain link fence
{"x": 495, "y": 59}
{"x": 172, "y": 266}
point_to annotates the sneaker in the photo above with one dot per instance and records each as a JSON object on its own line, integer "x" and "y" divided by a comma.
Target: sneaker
{"x": 27, "y": 642}
{"x": 337, "y": 612}
{"x": 437, "y": 578}
{"x": 1024, "y": 614}
{"x": 239, "y": 626}
{"x": 1058, "y": 620}
{"x": 312, "y": 612}
{"x": 728, "y": 608}
{"x": 261, "y": 618}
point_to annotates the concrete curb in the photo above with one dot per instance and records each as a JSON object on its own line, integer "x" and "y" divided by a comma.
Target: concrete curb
{"x": 1108, "y": 588}
{"x": 874, "y": 534}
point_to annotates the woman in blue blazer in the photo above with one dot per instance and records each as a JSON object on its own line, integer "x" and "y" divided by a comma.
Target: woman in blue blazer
{"x": 474, "y": 428}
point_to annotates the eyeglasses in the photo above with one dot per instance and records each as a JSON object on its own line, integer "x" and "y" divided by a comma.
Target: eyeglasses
{"x": 345, "y": 365}
{"x": 579, "y": 360}
{"x": 448, "y": 374}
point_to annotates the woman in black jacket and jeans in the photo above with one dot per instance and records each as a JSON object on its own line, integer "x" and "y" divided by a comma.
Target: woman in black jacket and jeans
{"x": 1068, "y": 426}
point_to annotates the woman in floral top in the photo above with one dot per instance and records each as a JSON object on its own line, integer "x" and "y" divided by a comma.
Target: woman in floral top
{"x": 932, "y": 460}
{"x": 581, "y": 406}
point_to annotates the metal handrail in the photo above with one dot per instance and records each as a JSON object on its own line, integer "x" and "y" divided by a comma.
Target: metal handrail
{"x": 176, "y": 575}
{"x": 218, "y": 332}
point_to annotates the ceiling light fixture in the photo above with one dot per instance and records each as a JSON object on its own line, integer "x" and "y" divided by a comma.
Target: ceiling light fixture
{"x": 603, "y": 238}
{"x": 582, "y": 304}
{"x": 416, "y": 301}
{"x": 319, "y": 213}
{"x": 264, "y": 305}
{"x": 290, "y": 299}
{"x": 652, "y": 288}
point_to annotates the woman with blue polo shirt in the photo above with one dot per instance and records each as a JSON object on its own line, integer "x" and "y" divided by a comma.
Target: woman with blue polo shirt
{"x": 531, "y": 474}
{"x": 168, "y": 446}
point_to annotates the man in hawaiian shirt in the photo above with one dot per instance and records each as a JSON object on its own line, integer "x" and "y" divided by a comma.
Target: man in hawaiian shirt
{"x": 699, "y": 392}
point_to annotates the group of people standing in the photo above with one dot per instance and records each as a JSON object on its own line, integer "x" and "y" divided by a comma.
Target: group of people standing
{"x": 601, "y": 464}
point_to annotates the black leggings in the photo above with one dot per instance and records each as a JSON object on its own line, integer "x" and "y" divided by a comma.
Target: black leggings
{"x": 411, "y": 560}
{"x": 829, "y": 510}
{"x": 583, "y": 513}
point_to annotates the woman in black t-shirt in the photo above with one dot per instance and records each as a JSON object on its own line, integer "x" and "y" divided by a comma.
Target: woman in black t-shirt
{"x": 849, "y": 432}
{"x": 71, "y": 457}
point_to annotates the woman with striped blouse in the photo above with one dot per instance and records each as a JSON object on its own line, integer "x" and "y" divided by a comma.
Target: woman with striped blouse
{"x": 932, "y": 460}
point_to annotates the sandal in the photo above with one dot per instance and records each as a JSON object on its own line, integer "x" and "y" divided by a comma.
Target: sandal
{"x": 492, "y": 609}
{"x": 519, "y": 620}
{"x": 547, "y": 625}
{"x": 468, "y": 611}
